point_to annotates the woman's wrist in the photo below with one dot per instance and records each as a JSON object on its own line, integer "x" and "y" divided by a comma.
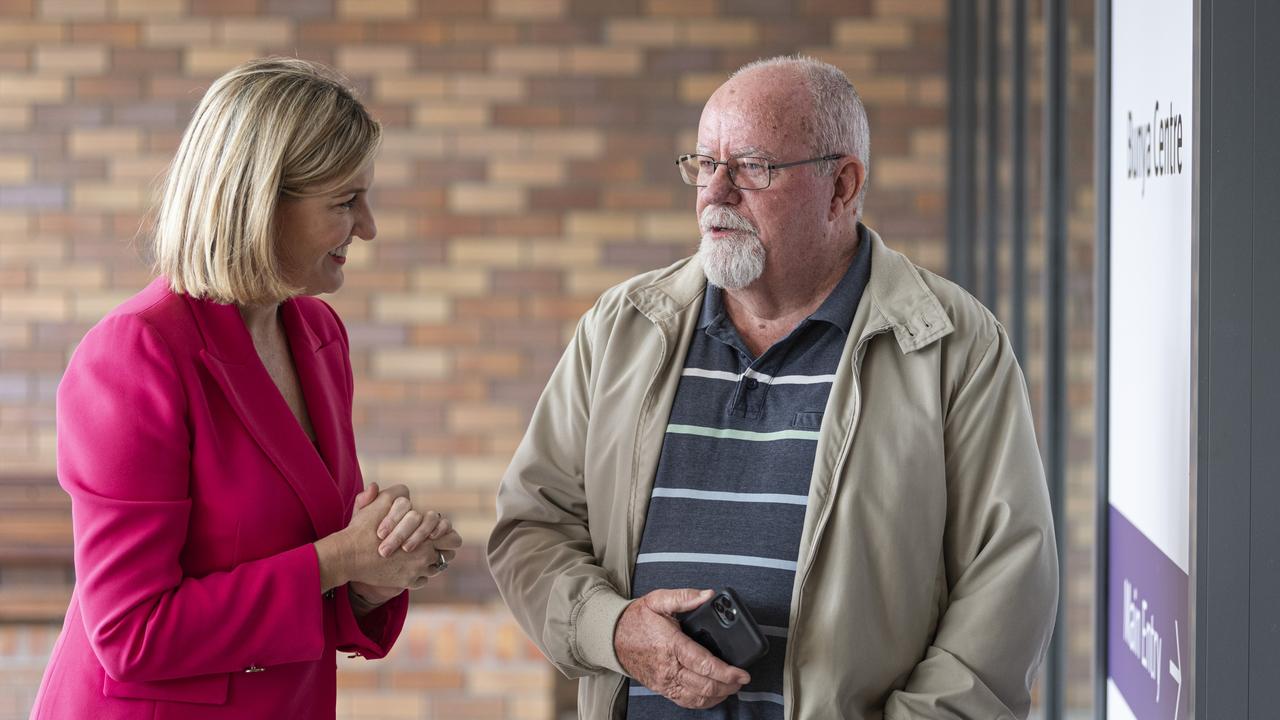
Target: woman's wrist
{"x": 333, "y": 569}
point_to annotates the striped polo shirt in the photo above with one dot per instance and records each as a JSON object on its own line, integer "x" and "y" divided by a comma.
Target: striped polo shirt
{"x": 732, "y": 484}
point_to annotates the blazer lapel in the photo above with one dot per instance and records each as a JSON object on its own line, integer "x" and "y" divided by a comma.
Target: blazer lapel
{"x": 233, "y": 363}
{"x": 323, "y": 375}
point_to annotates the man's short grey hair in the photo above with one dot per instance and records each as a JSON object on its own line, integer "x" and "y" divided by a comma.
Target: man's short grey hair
{"x": 840, "y": 120}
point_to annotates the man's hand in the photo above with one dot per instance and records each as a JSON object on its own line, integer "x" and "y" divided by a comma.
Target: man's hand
{"x": 654, "y": 651}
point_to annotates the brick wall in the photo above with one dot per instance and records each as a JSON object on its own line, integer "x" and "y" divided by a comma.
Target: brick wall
{"x": 527, "y": 167}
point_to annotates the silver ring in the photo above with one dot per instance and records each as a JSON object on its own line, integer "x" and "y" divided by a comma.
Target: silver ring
{"x": 443, "y": 564}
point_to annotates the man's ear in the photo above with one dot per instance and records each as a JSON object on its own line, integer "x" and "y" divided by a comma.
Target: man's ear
{"x": 850, "y": 177}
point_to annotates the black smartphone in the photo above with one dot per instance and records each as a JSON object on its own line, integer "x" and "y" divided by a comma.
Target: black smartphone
{"x": 724, "y": 626}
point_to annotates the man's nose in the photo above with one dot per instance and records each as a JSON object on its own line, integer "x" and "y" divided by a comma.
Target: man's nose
{"x": 719, "y": 189}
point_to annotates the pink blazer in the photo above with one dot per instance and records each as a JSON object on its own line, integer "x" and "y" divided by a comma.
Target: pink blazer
{"x": 195, "y": 497}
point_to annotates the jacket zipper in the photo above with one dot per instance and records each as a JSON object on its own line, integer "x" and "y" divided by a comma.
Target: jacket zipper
{"x": 787, "y": 663}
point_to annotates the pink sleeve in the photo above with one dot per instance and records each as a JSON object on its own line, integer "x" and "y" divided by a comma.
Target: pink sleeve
{"x": 123, "y": 456}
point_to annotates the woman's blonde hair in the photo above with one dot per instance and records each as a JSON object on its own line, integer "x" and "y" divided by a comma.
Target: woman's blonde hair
{"x": 267, "y": 127}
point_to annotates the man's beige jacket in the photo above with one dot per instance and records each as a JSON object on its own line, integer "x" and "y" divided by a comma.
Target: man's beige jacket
{"x": 927, "y": 578}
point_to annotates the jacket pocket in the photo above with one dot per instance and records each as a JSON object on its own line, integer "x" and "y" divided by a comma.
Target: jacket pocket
{"x": 807, "y": 421}
{"x": 203, "y": 690}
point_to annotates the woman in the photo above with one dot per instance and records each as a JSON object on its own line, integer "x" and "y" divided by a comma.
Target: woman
{"x": 224, "y": 550}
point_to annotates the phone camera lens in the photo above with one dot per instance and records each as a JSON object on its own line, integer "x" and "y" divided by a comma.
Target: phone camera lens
{"x": 725, "y": 610}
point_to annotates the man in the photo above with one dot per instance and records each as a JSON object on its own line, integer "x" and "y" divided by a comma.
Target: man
{"x": 799, "y": 413}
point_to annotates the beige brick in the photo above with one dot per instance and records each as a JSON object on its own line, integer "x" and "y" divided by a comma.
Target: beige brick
{"x": 410, "y": 364}
{"x": 605, "y": 61}
{"x": 98, "y": 142}
{"x": 79, "y": 277}
{"x": 527, "y": 172}
{"x": 884, "y": 32}
{"x": 884, "y": 90}
{"x": 489, "y": 143}
{"x": 483, "y": 681}
{"x": 256, "y": 32}
{"x": 15, "y": 335}
{"x": 601, "y": 224}
{"x": 14, "y": 222}
{"x": 695, "y": 88}
{"x": 680, "y": 226}
{"x": 527, "y": 60}
{"x": 137, "y": 169}
{"x": 931, "y": 92}
{"x": 478, "y": 472}
{"x": 410, "y": 471}
{"x": 360, "y": 59}
{"x": 24, "y": 33}
{"x": 33, "y": 88}
{"x": 391, "y": 172}
{"x": 402, "y": 88}
{"x": 471, "y": 417}
{"x": 451, "y": 281}
{"x": 568, "y": 143}
{"x": 564, "y": 254}
{"x": 650, "y": 32}
{"x": 485, "y": 252}
{"x": 720, "y": 33}
{"x": 450, "y": 114}
{"x": 927, "y": 9}
{"x": 14, "y": 170}
{"x": 42, "y": 306}
{"x": 32, "y": 248}
{"x": 486, "y": 86}
{"x": 107, "y": 196}
{"x": 393, "y": 224}
{"x": 526, "y": 9}
{"x": 147, "y": 9}
{"x": 929, "y": 143}
{"x": 382, "y": 705}
{"x": 535, "y": 705}
{"x": 909, "y": 173}
{"x": 73, "y": 60}
{"x": 411, "y": 143}
{"x": 855, "y": 63}
{"x": 382, "y": 9}
{"x": 215, "y": 60}
{"x": 412, "y": 307}
{"x": 178, "y": 33}
{"x": 73, "y": 9}
{"x": 93, "y": 306}
{"x": 594, "y": 282}
{"x": 476, "y": 198}
{"x": 682, "y": 8}
{"x": 15, "y": 117}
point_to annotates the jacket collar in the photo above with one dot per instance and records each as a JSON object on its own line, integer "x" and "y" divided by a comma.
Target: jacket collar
{"x": 896, "y": 298}
{"x": 231, "y": 359}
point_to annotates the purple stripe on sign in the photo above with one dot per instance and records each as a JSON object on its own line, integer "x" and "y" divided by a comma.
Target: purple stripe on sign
{"x": 1148, "y": 633}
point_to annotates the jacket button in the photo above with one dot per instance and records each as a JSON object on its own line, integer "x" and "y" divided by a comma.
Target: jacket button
{"x": 752, "y": 383}
{"x": 253, "y": 669}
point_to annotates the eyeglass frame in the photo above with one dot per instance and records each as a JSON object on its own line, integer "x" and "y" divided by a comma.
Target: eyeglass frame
{"x": 770, "y": 166}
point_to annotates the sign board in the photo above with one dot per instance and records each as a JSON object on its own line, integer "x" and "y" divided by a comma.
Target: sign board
{"x": 1149, "y": 424}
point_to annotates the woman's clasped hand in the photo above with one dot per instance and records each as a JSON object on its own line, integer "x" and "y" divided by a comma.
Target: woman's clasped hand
{"x": 387, "y": 547}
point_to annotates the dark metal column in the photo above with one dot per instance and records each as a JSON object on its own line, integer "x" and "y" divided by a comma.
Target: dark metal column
{"x": 1055, "y": 232}
{"x": 961, "y": 104}
{"x": 1102, "y": 340}
{"x": 1019, "y": 220}
{"x": 991, "y": 219}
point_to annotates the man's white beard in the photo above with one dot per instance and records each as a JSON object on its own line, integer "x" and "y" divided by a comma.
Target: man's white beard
{"x": 733, "y": 261}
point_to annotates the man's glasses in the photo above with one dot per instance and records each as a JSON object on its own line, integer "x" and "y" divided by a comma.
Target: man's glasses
{"x": 746, "y": 173}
